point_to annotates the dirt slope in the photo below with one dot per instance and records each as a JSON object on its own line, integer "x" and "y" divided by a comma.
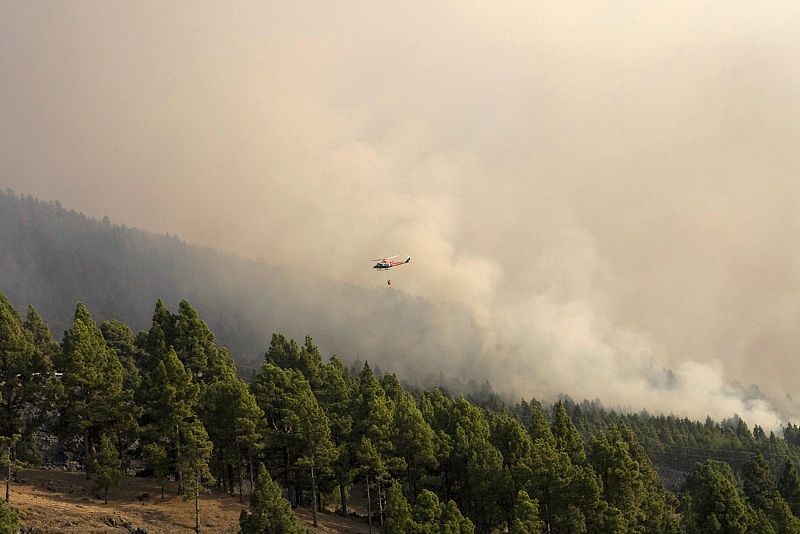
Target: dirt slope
{"x": 62, "y": 502}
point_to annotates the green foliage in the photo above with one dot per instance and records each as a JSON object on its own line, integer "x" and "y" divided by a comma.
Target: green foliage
{"x": 567, "y": 437}
{"x": 622, "y": 481}
{"x": 398, "y": 512}
{"x": 515, "y": 445}
{"x": 295, "y": 422}
{"x": 453, "y": 522}
{"x": 318, "y": 422}
{"x": 427, "y": 513}
{"x": 194, "y": 452}
{"x": 540, "y": 428}
{"x": 480, "y": 466}
{"x": 171, "y": 433}
{"x": 232, "y": 417}
{"x": 335, "y": 395}
{"x": 41, "y": 337}
{"x": 789, "y": 486}
{"x": 93, "y": 400}
{"x": 269, "y": 512}
{"x": 412, "y": 440}
{"x": 9, "y": 519}
{"x": 156, "y": 458}
{"x": 714, "y": 503}
{"x": 24, "y": 370}
{"x": 169, "y": 397}
{"x": 119, "y": 338}
{"x": 192, "y": 341}
{"x": 757, "y": 482}
{"x": 373, "y": 414}
{"x": 106, "y": 467}
{"x": 526, "y": 515}
{"x": 370, "y": 460}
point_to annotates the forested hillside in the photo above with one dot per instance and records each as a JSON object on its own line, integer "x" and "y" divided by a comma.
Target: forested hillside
{"x": 53, "y": 258}
{"x": 166, "y": 402}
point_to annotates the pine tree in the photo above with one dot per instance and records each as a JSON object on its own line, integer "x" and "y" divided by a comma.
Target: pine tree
{"x": 438, "y": 411}
{"x": 622, "y": 482}
{"x": 9, "y": 519}
{"x": 157, "y": 459}
{"x": 106, "y": 467}
{"x": 540, "y": 428}
{"x": 269, "y": 512}
{"x": 373, "y": 418}
{"x": 398, "y": 512}
{"x": 318, "y": 450}
{"x": 41, "y": 337}
{"x": 526, "y": 515}
{"x": 478, "y": 467}
{"x": 516, "y": 448}
{"x": 194, "y": 453}
{"x": 192, "y": 340}
{"x": 283, "y": 353}
{"x": 762, "y": 494}
{"x": 165, "y": 321}
{"x": 311, "y": 363}
{"x": 169, "y": 400}
{"x": 119, "y": 338}
{"x": 552, "y": 477}
{"x": 714, "y": 503}
{"x": 233, "y": 417}
{"x": 24, "y": 372}
{"x": 335, "y": 395}
{"x": 658, "y": 507}
{"x": 197, "y": 349}
{"x": 94, "y": 400}
{"x": 296, "y": 424}
{"x": 427, "y": 513}
{"x": 373, "y": 470}
{"x": 276, "y": 391}
{"x": 567, "y": 437}
{"x": 453, "y": 522}
{"x": 7, "y": 444}
{"x": 373, "y": 413}
{"x": 412, "y": 440}
{"x": 789, "y": 486}
{"x": 757, "y": 482}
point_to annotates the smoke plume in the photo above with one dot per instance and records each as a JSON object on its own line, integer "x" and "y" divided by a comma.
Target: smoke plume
{"x": 610, "y": 189}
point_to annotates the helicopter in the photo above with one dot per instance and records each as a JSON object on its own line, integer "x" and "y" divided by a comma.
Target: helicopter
{"x": 387, "y": 263}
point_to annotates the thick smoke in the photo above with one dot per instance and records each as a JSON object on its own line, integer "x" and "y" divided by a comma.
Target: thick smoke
{"x": 610, "y": 189}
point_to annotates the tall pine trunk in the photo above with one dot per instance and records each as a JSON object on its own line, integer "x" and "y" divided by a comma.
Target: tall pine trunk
{"x": 343, "y": 496}
{"x": 197, "y": 503}
{"x": 8, "y": 475}
{"x": 239, "y": 472}
{"x": 221, "y": 472}
{"x": 287, "y": 474}
{"x": 313, "y": 493}
{"x": 250, "y": 466}
{"x": 380, "y": 502}
{"x": 369, "y": 507}
{"x": 86, "y": 461}
{"x": 178, "y": 477}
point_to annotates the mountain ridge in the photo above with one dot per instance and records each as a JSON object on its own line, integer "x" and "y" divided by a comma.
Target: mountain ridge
{"x": 54, "y": 257}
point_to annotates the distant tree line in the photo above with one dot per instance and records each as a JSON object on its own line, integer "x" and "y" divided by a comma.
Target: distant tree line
{"x": 306, "y": 431}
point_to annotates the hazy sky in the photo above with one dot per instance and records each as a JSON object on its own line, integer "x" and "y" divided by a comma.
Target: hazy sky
{"x": 611, "y": 187}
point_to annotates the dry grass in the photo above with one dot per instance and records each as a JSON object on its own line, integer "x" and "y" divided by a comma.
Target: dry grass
{"x": 62, "y": 502}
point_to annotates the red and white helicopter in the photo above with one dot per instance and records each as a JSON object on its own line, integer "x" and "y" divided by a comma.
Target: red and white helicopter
{"x": 387, "y": 263}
